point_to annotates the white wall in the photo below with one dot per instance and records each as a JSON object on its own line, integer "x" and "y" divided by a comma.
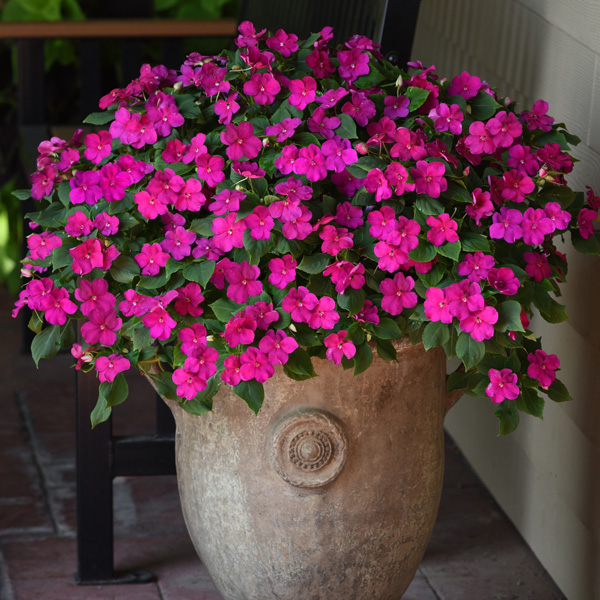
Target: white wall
{"x": 546, "y": 476}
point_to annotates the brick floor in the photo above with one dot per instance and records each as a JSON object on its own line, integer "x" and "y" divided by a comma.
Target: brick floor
{"x": 475, "y": 552}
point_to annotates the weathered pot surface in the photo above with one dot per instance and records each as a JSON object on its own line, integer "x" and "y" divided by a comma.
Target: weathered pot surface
{"x": 330, "y": 493}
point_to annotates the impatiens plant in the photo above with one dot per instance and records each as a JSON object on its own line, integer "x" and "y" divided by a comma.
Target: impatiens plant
{"x": 290, "y": 200}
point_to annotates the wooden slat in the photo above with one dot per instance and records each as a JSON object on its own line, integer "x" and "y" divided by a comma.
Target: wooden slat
{"x": 118, "y": 28}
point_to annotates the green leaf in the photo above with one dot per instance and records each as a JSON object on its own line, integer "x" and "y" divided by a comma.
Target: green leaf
{"x": 63, "y": 193}
{"x": 469, "y": 351}
{"x": 429, "y": 206}
{"x": 124, "y": 269}
{"x": 474, "y": 242}
{"x": 530, "y": 403}
{"x": 387, "y": 329}
{"x": 424, "y": 252}
{"x": 417, "y": 97}
{"x": 100, "y": 118}
{"x": 101, "y": 412}
{"x": 483, "y": 106}
{"x": 203, "y": 227}
{"x": 46, "y": 343}
{"x": 550, "y": 309}
{"x": 252, "y": 392}
{"x": 451, "y": 251}
{"x": 61, "y": 256}
{"x": 224, "y": 309}
{"x": 352, "y": 300}
{"x": 364, "y": 165}
{"x": 458, "y": 380}
{"x": 508, "y": 415}
{"x": 153, "y": 282}
{"x": 363, "y": 358}
{"x": 141, "y": 337}
{"x": 202, "y": 403}
{"x": 200, "y": 272}
{"x": 164, "y": 385}
{"x": 590, "y": 245}
{"x": 314, "y": 263}
{"x": 372, "y": 79}
{"x": 386, "y": 350}
{"x": 347, "y": 128}
{"x": 299, "y": 362}
{"x": 22, "y": 194}
{"x": 509, "y": 316}
{"x": 435, "y": 334}
{"x": 558, "y": 392}
{"x": 115, "y": 392}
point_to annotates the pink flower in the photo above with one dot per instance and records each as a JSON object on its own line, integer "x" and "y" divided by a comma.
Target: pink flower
{"x": 504, "y": 280}
{"x": 368, "y": 314}
{"x": 302, "y": 92}
{"x": 480, "y": 139}
{"x": 537, "y": 117}
{"x": 260, "y": 223}
{"x": 231, "y": 374}
{"x": 101, "y": 327}
{"x": 320, "y": 63}
{"x": 57, "y": 305}
{"x": 106, "y": 224}
{"x": 87, "y": 256}
{"x": 210, "y": 168}
{"x": 585, "y": 220}
{"x": 277, "y": 345}
{"x": 536, "y": 226}
{"x": 465, "y": 85}
{"x": 188, "y": 381}
{"x": 135, "y": 304}
{"x": 41, "y": 244}
{"x": 109, "y": 367}
{"x": 42, "y": 182}
{"x": 503, "y": 385}
{"x": 436, "y": 305}
{"x": 149, "y": 206}
{"x": 516, "y": 185}
{"x": 480, "y": 324}
{"x": 353, "y": 64}
{"x": 78, "y": 225}
{"x": 98, "y": 146}
{"x": 543, "y": 367}
{"x": 429, "y": 178}
{"x": 506, "y": 225}
{"x": 396, "y": 107}
{"x": 324, "y": 314}
{"x": 464, "y": 298}
{"x": 85, "y": 188}
{"x": 408, "y": 145}
{"x": 159, "y": 322}
{"x": 443, "y": 229}
{"x": 537, "y": 265}
{"x": 397, "y": 294}
{"x": 239, "y": 330}
{"x": 192, "y": 338}
{"x": 482, "y": 206}
{"x": 241, "y": 141}
{"x": 476, "y": 266}
{"x": 447, "y": 118}
{"x": 335, "y": 239}
{"x": 338, "y": 154}
{"x": 311, "y": 162}
{"x": 151, "y": 258}
{"x": 178, "y": 242}
{"x": 299, "y": 303}
{"x": 348, "y": 215}
{"x": 263, "y": 87}
{"x": 243, "y": 282}
{"x": 283, "y": 130}
{"x": 319, "y": 122}
{"x": 255, "y": 364}
{"x": 505, "y": 128}
{"x": 377, "y": 183}
{"x": 188, "y": 301}
{"x": 94, "y": 295}
{"x": 283, "y": 271}
{"x": 285, "y": 163}
{"x": 226, "y": 108}
{"x": 560, "y": 218}
{"x": 338, "y": 346}
{"x": 361, "y": 108}
{"x": 284, "y": 43}
{"x": 228, "y": 232}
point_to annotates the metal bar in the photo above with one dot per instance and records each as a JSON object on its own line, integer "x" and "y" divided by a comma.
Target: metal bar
{"x": 118, "y": 28}
{"x": 144, "y": 455}
{"x": 94, "y": 488}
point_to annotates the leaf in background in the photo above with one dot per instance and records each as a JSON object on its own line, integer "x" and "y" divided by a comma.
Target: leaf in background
{"x": 252, "y": 392}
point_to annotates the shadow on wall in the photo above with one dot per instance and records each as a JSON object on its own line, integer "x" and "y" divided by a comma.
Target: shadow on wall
{"x": 547, "y": 476}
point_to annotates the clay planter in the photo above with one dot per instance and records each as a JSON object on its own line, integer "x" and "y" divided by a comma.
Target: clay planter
{"x": 331, "y": 492}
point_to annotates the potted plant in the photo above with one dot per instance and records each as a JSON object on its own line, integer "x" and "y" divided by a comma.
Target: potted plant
{"x": 235, "y": 228}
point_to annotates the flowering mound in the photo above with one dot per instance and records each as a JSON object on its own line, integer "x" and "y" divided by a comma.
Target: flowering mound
{"x": 290, "y": 200}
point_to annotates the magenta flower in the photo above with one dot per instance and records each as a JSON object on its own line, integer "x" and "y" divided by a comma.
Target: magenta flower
{"x": 382, "y": 222}
{"x": 106, "y": 224}
{"x": 178, "y": 242}
{"x": 210, "y": 169}
{"x": 319, "y": 62}
{"x": 282, "y": 42}
{"x": 319, "y": 122}
{"x": 94, "y": 295}
{"x": 284, "y": 130}
{"x": 429, "y": 178}
{"x": 260, "y": 223}
{"x": 78, "y": 225}
{"x": 585, "y": 220}
{"x": 348, "y": 215}
{"x": 338, "y": 154}
{"x": 335, "y": 239}
{"x": 397, "y": 294}
{"x": 188, "y": 301}
{"x": 191, "y": 338}
{"x": 397, "y": 176}
{"x": 159, "y": 322}
{"x": 506, "y": 225}
{"x": 85, "y": 187}
{"x": 189, "y": 383}
{"x": 228, "y": 232}
{"x": 338, "y": 346}
{"x": 135, "y": 304}
{"x": 241, "y": 141}
{"x": 302, "y": 92}
{"x": 263, "y": 87}
{"x": 57, "y": 305}
{"x": 42, "y": 182}
{"x": 231, "y": 374}
{"x": 560, "y": 218}
{"x": 443, "y": 229}
{"x": 226, "y": 108}
{"x": 283, "y": 271}
{"x": 361, "y": 108}
{"x": 482, "y": 206}
{"x": 504, "y": 280}
{"x": 516, "y": 185}
{"x": 195, "y": 149}
{"x": 174, "y": 151}
{"x": 277, "y": 345}
{"x": 377, "y": 183}
{"x": 447, "y": 118}
{"x": 262, "y": 312}
{"x": 255, "y": 364}
{"x": 408, "y": 146}
{"x": 396, "y": 107}
{"x": 480, "y": 324}
{"x": 522, "y": 159}
{"x": 480, "y": 139}
{"x": 299, "y": 303}
{"x": 97, "y": 146}
{"x": 87, "y": 256}
{"x": 465, "y": 85}
{"x": 41, "y": 244}
{"x": 368, "y": 314}
{"x": 149, "y": 206}
{"x": 536, "y": 226}
{"x": 324, "y": 314}
{"x": 436, "y": 305}
{"x": 475, "y": 267}
{"x": 109, "y": 367}
{"x": 285, "y": 163}
{"x": 239, "y": 330}
{"x": 101, "y": 328}
{"x": 537, "y": 118}
{"x": 505, "y": 128}
{"x": 311, "y": 162}
{"x": 537, "y": 265}
{"x": 151, "y": 258}
{"x": 502, "y": 386}
{"x": 543, "y": 367}
{"x": 353, "y": 64}
{"x": 243, "y": 282}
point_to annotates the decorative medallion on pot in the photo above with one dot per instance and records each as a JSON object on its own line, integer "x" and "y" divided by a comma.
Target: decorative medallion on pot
{"x": 288, "y": 209}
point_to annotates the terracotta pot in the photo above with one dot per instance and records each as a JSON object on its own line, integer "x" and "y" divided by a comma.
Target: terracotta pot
{"x": 330, "y": 493}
